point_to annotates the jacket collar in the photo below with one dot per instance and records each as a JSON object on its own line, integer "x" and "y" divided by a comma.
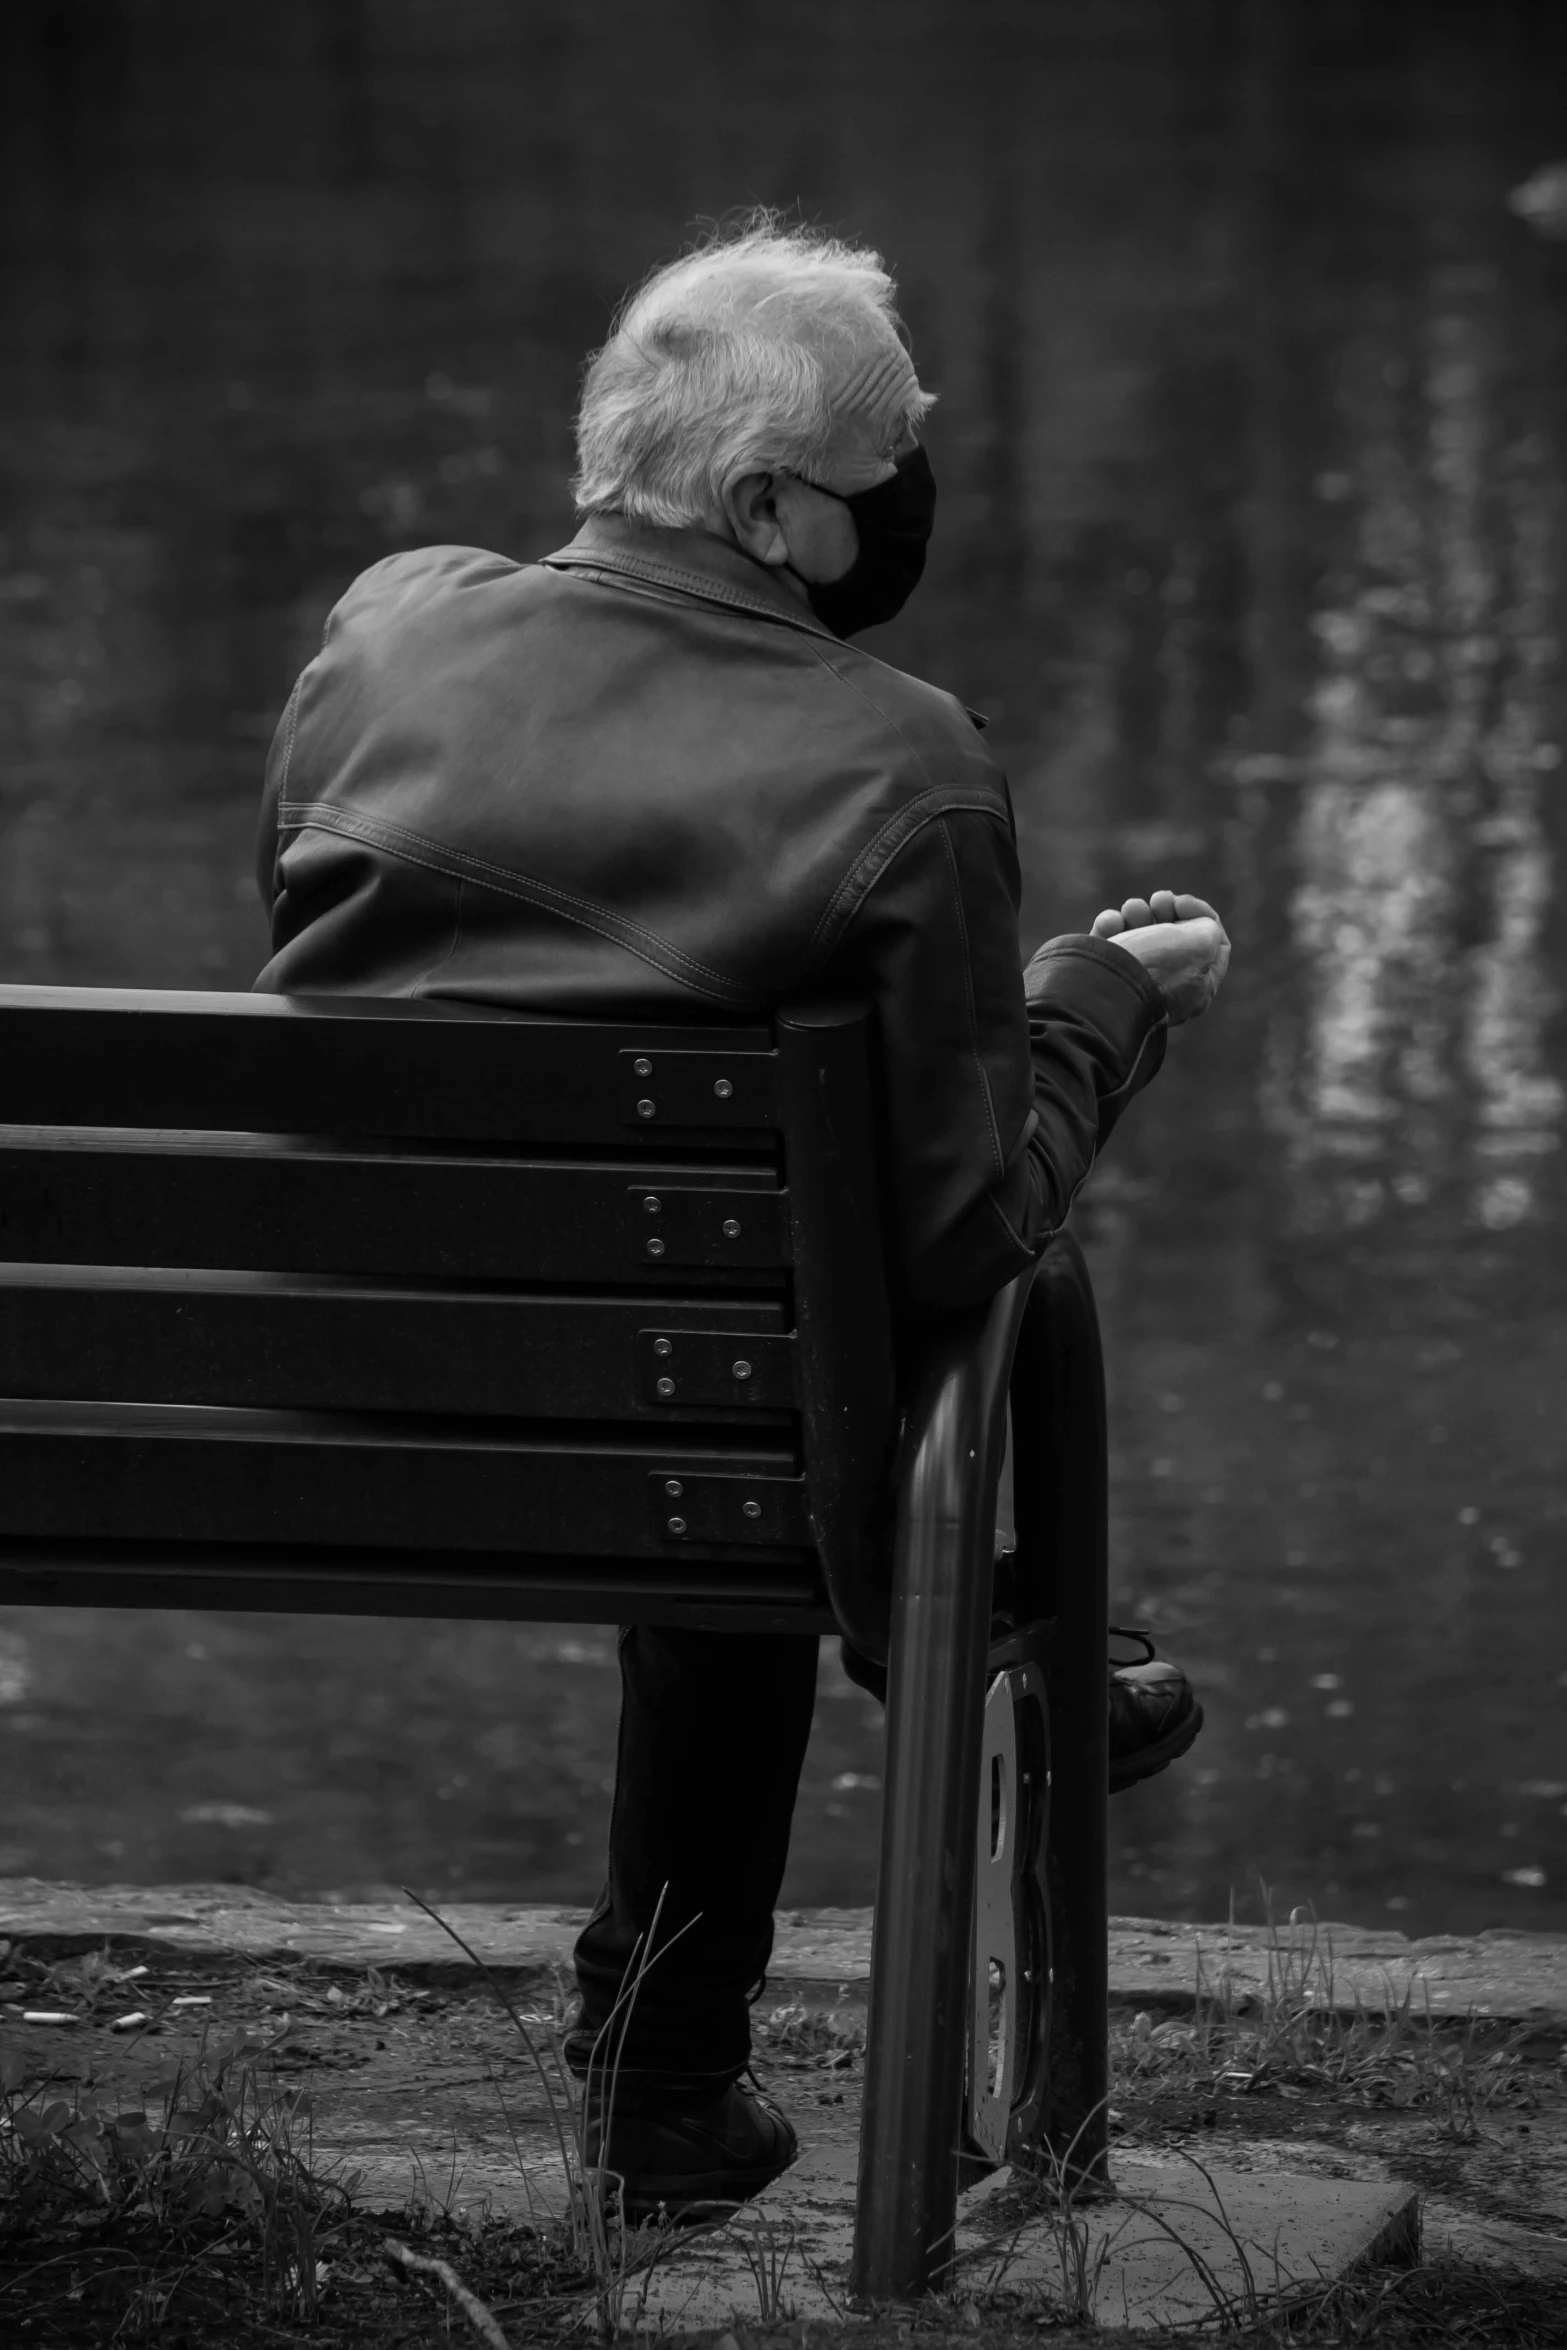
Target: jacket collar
{"x": 694, "y": 562}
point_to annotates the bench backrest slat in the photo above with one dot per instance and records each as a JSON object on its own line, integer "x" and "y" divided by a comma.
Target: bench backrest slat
{"x": 368, "y": 1066}
{"x": 137, "y": 1472}
{"x": 117, "y": 1334}
{"x": 411, "y": 1278}
{"x": 285, "y": 1203}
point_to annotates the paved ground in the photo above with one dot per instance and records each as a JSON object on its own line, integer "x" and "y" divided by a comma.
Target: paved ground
{"x": 418, "y": 2084}
{"x": 1153, "y": 1964}
{"x": 430, "y": 2097}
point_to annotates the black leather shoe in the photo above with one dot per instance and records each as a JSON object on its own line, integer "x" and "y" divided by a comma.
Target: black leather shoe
{"x": 688, "y": 2154}
{"x": 1153, "y": 1715}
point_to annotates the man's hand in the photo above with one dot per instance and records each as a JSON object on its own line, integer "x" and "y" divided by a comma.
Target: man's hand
{"x": 1179, "y": 941}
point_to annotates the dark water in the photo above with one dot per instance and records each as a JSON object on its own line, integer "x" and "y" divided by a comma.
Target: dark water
{"x": 1251, "y": 445}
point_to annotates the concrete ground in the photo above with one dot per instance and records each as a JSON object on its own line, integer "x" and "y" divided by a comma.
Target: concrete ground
{"x": 419, "y": 2084}
{"x": 1153, "y": 1962}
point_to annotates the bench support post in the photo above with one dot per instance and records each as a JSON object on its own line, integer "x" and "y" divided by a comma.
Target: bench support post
{"x": 919, "y": 2011}
{"x": 1041, "y": 1335}
{"x": 1060, "y": 1490}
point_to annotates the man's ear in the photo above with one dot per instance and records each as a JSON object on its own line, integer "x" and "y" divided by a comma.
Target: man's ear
{"x": 751, "y": 510}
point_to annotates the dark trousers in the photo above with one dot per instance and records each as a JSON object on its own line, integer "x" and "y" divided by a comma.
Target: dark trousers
{"x": 713, "y": 1729}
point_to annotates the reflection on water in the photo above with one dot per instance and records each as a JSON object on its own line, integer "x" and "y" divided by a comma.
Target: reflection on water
{"x": 1251, "y": 546}
{"x": 1425, "y": 872}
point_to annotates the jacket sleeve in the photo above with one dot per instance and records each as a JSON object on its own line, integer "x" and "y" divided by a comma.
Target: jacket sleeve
{"x": 999, "y": 1086}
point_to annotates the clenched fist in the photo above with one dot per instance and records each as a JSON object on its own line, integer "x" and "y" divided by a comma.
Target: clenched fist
{"x": 1180, "y": 943}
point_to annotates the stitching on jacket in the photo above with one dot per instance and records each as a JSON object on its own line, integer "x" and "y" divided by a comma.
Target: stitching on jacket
{"x": 1071, "y": 1197}
{"x": 622, "y": 567}
{"x": 689, "y": 583}
{"x": 1030, "y": 1252}
{"x": 968, "y": 996}
{"x": 486, "y": 870}
{"x": 1135, "y": 976}
{"x": 885, "y": 716}
{"x": 307, "y": 814}
{"x": 584, "y": 920}
{"x": 854, "y": 886}
{"x": 291, "y": 721}
{"x": 624, "y": 583}
{"x": 865, "y": 869}
{"x": 847, "y": 888}
{"x": 879, "y": 852}
{"x": 893, "y": 727}
{"x": 1159, "y": 1028}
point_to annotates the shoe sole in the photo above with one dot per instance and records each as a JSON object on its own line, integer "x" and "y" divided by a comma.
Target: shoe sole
{"x": 1149, "y": 1760}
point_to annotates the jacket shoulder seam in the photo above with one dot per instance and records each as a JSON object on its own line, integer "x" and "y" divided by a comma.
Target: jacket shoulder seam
{"x": 885, "y": 716}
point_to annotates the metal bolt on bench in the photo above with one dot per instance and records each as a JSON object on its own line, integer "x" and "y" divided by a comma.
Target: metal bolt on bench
{"x": 352, "y": 1306}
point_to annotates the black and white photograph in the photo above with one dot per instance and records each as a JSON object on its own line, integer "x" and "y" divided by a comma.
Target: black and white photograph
{"x": 783, "y": 1244}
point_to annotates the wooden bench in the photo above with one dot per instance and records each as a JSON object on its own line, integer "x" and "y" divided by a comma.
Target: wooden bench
{"x": 419, "y": 1308}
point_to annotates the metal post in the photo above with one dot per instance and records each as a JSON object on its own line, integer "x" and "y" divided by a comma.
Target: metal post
{"x": 1061, "y": 1485}
{"x": 909, "y": 2138}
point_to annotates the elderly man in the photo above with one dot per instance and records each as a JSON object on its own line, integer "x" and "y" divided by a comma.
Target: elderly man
{"x": 653, "y": 774}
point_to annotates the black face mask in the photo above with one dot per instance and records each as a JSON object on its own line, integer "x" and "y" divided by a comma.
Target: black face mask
{"x": 894, "y": 521}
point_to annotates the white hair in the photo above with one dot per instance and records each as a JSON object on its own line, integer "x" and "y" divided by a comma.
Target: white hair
{"x": 725, "y": 362}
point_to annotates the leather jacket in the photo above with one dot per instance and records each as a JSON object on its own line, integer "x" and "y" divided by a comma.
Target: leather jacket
{"x": 640, "y": 777}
